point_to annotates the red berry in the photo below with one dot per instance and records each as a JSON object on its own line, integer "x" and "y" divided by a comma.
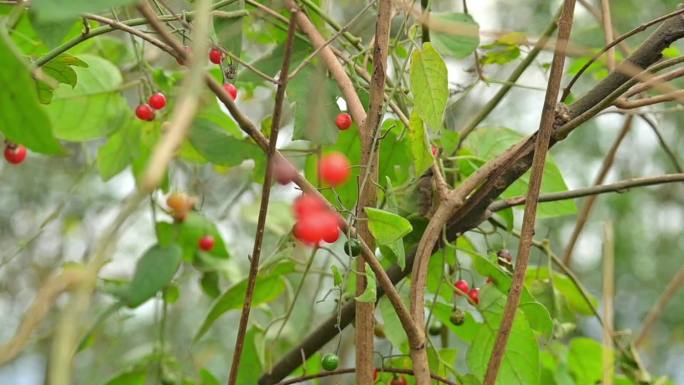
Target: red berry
{"x": 343, "y": 121}
{"x": 331, "y": 232}
{"x": 215, "y": 56}
{"x": 398, "y": 381}
{"x": 435, "y": 151}
{"x": 461, "y": 286}
{"x": 144, "y": 112}
{"x": 157, "y": 101}
{"x": 283, "y": 171}
{"x": 206, "y": 243}
{"x": 474, "y": 295}
{"x": 15, "y": 154}
{"x": 334, "y": 169}
{"x": 231, "y": 90}
{"x": 307, "y": 204}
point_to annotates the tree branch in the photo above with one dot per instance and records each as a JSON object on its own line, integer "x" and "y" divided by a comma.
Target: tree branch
{"x": 543, "y": 141}
{"x": 659, "y": 306}
{"x": 263, "y": 209}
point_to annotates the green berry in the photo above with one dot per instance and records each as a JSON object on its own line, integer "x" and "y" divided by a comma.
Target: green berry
{"x": 435, "y": 328}
{"x": 352, "y": 247}
{"x": 330, "y": 361}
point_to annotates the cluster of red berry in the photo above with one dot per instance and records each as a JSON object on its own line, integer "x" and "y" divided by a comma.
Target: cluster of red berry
{"x": 216, "y": 56}
{"x": 145, "y": 111}
{"x": 315, "y": 221}
{"x": 14, "y": 153}
{"x": 462, "y": 288}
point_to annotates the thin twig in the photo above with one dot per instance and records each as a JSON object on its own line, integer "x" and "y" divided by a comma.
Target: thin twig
{"x": 352, "y": 370}
{"x": 263, "y": 210}
{"x": 600, "y": 178}
{"x": 546, "y": 126}
{"x": 677, "y": 95}
{"x": 663, "y": 143}
{"x": 617, "y": 187}
{"x": 608, "y": 296}
{"x": 608, "y": 31}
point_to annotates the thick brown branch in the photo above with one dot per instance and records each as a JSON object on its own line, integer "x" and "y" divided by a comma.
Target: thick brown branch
{"x": 546, "y": 127}
{"x": 263, "y": 209}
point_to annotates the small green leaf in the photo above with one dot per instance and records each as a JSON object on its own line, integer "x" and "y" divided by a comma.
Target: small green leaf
{"x": 219, "y": 147}
{"x": 206, "y": 378}
{"x": 393, "y": 330}
{"x": 387, "y": 227}
{"x": 370, "y": 294}
{"x": 269, "y": 285}
{"x": 187, "y": 233}
{"x": 23, "y": 119}
{"x": 59, "y": 10}
{"x": 420, "y": 146}
{"x": 121, "y": 148}
{"x": 153, "y": 272}
{"x": 429, "y": 86}
{"x": 210, "y": 284}
{"x": 585, "y": 361}
{"x": 455, "y": 34}
{"x": 58, "y": 69}
{"x": 171, "y": 294}
{"x": 337, "y": 276}
{"x": 315, "y": 106}
{"x": 137, "y": 377}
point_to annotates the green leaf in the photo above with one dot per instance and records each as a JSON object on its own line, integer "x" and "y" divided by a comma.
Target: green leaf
{"x": 137, "y": 377}
{"x": 23, "y": 119}
{"x": 121, "y": 148}
{"x": 564, "y": 285}
{"x": 442, "y": 362}
{"x": 466, "y": 332}
{"x": 187, "y": 233}
{"x": 489, "y": 142}
{"x": 420, "y": 146}
{"x": 455, "y": 34}
{"x": 219, "y": 147}
{"x": 154, "y": 270}
{"x": 271, "y": 62}
{"x": 52, "y": 33}
{"x": 429, "y": 86}
{"x": 94, "y": 107}
{"x": 538, "y": 317}
{"x": 48, "y": 10}
{"x": 315, "y": 106}
{"x": 521, "y": 361}
{"x": 337, "y": 276}
{"x": 269, "y": 285}
{"x": 585, "y": 361}
{"x": 387, "y": 227}
{"x": 393, "y": 330}
{"x": 250, "y": 365}
{"x": 58, "y": 69}
{"x": 210, "y": 284}
{"x": 229, "y": 30}
{"x": 206, "y": 378}
{"x": 371, "y": 292}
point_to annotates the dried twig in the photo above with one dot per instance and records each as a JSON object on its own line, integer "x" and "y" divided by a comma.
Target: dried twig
{"x": 546, "y": 126}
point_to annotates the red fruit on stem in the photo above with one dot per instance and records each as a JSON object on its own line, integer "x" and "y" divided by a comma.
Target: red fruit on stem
{"x": 474, "y": 295}
{"x": 15, "y": 154}
{"x": 343, "y": 121}
{"x": 231, "y": 90}
{"x": 435, "y": 151}
{"x": 206, "y": 243}
{"x": 215, "y": 56}
{"x": 307, "y": 204}
{"x": 157, "y": 101}
{"x": 398, "y": 381}
{"x": 331, "y": 233}
{"x": 283, "y": 171}
{"x": 144, "y": 112}
{"x": 461, "y": 286}
{"x": 334, "y": 169}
